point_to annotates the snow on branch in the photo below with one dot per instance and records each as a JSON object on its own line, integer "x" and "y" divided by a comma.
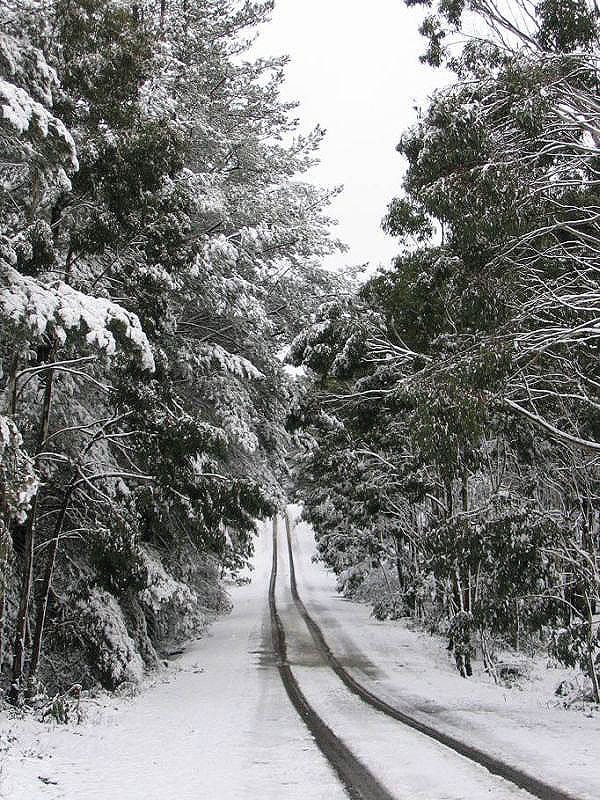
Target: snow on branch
{"x": 25, "y": 115}
{"x": 214, "y": 355}
{"x": 59, "y": 309}
{"x": 587, "y": 444}
{"x": 18, "y": 480}
{"x": 26, "y": 66}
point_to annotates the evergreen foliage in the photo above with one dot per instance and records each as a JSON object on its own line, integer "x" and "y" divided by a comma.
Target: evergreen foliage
{"x": 464, "y": 426}
{"x": 157, "y": 239}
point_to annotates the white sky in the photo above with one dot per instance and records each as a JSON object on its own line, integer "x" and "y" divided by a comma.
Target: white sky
{"x": 355, "y": 70}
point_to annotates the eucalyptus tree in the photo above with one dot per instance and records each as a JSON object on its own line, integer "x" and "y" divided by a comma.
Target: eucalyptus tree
{"x": 528, "y": 79}
{"x": 537, "y": 64}
{"x": 487, "y": 322}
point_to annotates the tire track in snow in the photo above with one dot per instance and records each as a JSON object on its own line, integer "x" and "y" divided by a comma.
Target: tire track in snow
{"x": 523, "y": 780}
{"x": 358, "y": 781}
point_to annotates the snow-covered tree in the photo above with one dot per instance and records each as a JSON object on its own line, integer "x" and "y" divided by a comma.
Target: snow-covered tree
{"x": 463, "y": 382}
{"x": 158, "y": 235}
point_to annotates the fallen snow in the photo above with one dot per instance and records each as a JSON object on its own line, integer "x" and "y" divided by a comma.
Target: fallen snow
{"x": 410, "y": 765}
{"x": 162, "y": 588}
{"x": 410, "y": 669}
{"x": 216, "y": 724}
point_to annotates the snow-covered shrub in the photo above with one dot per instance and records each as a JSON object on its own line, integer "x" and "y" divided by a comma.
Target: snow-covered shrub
{"x": 172, "y": 609}
{"x": 202, "y": 573}
{"x": 349, "y": 581}
{"x": 112, "y": 650}
{"x": 391, "y": 606}
{"x": 180, "y": 597}
{"x": 65, "y": 707}
{"x": 109, "y": 636}
{"x": 513, "y": 670}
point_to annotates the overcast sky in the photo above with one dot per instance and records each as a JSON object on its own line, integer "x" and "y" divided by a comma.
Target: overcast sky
{"x": 355, "y": 70}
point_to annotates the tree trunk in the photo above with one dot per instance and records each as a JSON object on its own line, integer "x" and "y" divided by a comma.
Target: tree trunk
{"x": 36, "y": 649}
{"x": 4, "y": 547}
{"x": 477, "y": 581}
{"x": 2, "y": 605}
{"x": 451, "y": 595}
{"x": 488, "y": 662}
{"x": 459, "y": 590}
{"x": 590, "y": 654}
{"x": 35, "y": 193}
{"x": 449, "y": 500}
{"x": 399, "y": 569}
{"x": 11, "y": 388}
{"x": 593, "y": 674}
{"x": 5, "y": 542}
{"x": 464, "y": 495}
{"x": 19, "y": 651}
{"x": 385, "y": 577}
{"x": 24, "y": 603}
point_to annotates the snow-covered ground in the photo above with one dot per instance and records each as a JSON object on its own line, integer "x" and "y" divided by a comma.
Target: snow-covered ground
{"x": 218, "y": 724}
{"x": 411, "y": 670}
{"x": 409, "y": 765}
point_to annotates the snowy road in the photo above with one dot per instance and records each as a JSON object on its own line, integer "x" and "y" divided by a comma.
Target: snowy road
{"x": 223, "y": 726}
{"x": 411, "y": 672}
{"x": 405, "y": 763}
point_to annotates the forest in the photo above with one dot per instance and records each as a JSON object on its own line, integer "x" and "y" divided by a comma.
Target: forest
{"x": 159, "y": 250}
{"x": 450, "y": 467}
{"x": 161, "y": 268}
